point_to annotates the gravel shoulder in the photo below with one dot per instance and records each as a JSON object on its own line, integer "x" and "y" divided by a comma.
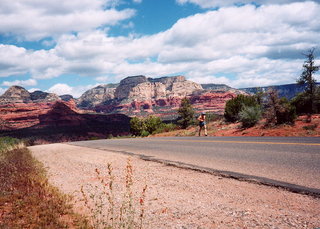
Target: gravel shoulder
{"x": 179, "y": 198}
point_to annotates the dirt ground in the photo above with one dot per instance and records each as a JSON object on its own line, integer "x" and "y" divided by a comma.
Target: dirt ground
{"x": 301, "y": 128}
{"x": 179, "y": 198}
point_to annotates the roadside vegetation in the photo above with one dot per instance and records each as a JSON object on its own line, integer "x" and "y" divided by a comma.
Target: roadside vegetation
{"x": 249, "y": 110}
{"x": 26, "y": 198}
{"x": 109, "y": 208}
{"x": 265, "y": 109}
{"x": 150, "y": 125}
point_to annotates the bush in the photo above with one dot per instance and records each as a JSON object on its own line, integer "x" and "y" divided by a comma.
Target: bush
{"x": 210, "y": 117}
{"x": 249, "y": 116}
{"x": 144, "y": 133}
{"x": 235, "y": 105}
{"x": 145, "y": 126}
{"x": 165, "y": 127}
{"x": 310, "y": 127}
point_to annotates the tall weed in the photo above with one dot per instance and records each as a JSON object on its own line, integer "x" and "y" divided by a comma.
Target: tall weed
{"x": 103, "y": 203}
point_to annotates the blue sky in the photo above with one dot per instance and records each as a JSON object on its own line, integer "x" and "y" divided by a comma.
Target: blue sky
{"x": 69, "y": 46}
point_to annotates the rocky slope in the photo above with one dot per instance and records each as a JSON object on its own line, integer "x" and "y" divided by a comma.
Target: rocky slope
{"x": 139, "y": 95}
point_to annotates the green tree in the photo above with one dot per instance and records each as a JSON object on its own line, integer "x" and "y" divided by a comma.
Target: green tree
{"x": 306, "y": 77}
{"x": 279, "y": 110}
{"x": 152, "y": 123}
{"x": 235, "y": 105}
{"x": 186, "y": 113}
{"x": 137, "y": 125}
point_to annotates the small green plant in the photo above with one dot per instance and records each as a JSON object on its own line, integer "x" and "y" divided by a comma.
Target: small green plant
{"x": 249, "y": 116}
{"x": 104, "y": 207}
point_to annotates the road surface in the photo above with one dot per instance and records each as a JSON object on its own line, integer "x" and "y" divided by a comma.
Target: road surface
{"x": 289, "y": 162}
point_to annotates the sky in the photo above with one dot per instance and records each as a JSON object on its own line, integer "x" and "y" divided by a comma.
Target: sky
{"x": 70, "y": 46}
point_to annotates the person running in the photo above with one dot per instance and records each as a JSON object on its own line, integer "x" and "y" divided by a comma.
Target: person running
{"x": 202, "y": 123}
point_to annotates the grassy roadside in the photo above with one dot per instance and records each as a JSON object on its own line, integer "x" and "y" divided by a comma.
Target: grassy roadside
{"x": 26, "y": 198}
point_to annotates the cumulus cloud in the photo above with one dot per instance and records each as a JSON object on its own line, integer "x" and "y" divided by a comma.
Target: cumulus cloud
{"x": 52, "y": 18}
{"x": 241, "y": 46}
{"x": 62, "y": 89}
{"x": 2, "y": 90}
{"x": 40, "y": 64}
{"x": 222, "y": 3}
{"x": 34, "y": 89}
{"x": 22, "y": 83}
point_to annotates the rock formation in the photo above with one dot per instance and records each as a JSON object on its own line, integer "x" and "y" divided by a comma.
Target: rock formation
{"x": 96, "y": 95}
{"x": 139, "y": 95}
{"x": 15, "y": 94}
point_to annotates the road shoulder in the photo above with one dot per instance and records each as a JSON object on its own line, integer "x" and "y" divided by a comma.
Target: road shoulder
{"x": 178, "y": 198}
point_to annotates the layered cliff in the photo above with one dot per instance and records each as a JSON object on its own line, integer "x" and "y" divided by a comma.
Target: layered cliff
{"x": 139, "y": 95}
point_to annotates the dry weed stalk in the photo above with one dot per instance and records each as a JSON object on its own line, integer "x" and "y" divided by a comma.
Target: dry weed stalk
{"x": 101, "y": 201}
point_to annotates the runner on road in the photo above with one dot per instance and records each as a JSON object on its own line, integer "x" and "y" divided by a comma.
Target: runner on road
{"x": 202, "y": 123}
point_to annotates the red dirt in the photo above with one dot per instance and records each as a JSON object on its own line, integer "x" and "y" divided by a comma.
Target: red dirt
{"x": 301, "y": 128}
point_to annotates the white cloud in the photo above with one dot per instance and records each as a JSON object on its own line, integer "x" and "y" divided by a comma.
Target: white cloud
{"x": 19, "y": 61}
{"x": 242, "y": 46}
{"x": 34, "y": 89}
{"x": 137, "y": 1}
{"x": 22, "y": 83}
{"x": 222, "y": 3}
{"x": 42, "y": 19}
{"x": 2, "y": 90}
{"x": 62, "y": 89}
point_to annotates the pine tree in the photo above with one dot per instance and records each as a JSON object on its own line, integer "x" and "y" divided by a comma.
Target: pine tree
{"x": 306, "y": 77}
{"x": 186, "y": 113}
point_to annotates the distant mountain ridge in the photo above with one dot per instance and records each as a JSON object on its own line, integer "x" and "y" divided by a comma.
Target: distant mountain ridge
{"x": 286, "y": 90}
{"x": 17, "y": 94}
{"x": 139, "y": 95}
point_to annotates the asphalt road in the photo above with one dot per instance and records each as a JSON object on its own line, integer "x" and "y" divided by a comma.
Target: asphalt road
{"x": 289, "y": 162}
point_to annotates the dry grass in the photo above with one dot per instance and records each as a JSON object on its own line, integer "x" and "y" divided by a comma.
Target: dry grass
{"x": 26, "y": 198}
{"x": 108, "y": 209}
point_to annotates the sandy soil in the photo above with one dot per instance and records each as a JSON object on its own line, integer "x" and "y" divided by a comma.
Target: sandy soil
{"x": 179, "y": 198}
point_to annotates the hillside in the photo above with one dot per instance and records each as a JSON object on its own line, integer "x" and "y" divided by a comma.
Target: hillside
{"x": 219, "y": 127}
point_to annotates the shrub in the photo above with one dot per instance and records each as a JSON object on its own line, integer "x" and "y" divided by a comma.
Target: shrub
{"x": 166, "y": 127}
{"x": 210, "y": 117}
{"x": 145, "y": 126}
{"x": 249, "y": 116}
{"x": 310, "y": 127}
{"x": 145, "y": 133}
{"x": 235, "y": 105}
